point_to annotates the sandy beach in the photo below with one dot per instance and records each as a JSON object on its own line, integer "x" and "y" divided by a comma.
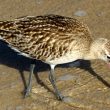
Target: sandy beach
{"x": 85, "y": 84}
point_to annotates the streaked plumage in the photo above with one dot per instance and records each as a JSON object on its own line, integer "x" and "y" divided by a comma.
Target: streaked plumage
{"x": 53, "y": 39}
{"x": 45, "y": 37}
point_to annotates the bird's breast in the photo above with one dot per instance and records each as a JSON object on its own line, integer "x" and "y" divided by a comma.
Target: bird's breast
{"x": 69, "y": 57}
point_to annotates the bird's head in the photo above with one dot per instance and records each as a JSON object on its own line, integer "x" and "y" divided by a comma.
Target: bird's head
{"x": 102, "y": 49}
{"x": 107, "y": 51}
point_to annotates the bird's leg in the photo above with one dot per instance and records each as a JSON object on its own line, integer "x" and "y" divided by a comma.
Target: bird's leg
{"x": 53, "y": 82}
{"x": 29, "y": 86}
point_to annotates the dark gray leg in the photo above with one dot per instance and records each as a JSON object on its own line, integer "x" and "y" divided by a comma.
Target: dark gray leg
{"x": 29, "y": 86}
{"x": 53, "y": 82}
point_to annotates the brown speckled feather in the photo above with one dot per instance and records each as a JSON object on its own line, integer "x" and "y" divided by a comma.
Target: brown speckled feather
{"x": 43, "y": 37}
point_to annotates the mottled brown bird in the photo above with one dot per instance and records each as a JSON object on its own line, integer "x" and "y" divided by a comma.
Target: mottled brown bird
{"x": 54, "y": 40}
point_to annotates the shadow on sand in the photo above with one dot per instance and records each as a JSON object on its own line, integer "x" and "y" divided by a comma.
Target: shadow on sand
{"x": 12, "y": 59}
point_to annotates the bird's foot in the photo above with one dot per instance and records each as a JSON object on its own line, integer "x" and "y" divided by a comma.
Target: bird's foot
{"x": 27, "y": 92}
{"x": 59, "y": 96}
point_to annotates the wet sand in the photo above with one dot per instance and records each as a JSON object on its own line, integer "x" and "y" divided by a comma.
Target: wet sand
{"x": 86, "y": 85}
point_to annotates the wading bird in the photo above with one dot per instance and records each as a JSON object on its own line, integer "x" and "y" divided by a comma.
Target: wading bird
{"x": 54, "y": 40}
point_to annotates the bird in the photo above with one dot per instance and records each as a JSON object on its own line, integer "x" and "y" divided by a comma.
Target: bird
{"x": 53, "y": 39}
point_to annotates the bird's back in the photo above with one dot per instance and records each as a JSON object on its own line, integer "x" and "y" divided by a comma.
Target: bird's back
{"x": 43, "y": 37}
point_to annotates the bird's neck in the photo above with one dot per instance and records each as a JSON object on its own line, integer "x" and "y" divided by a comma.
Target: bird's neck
{"x": 94, "y": 51}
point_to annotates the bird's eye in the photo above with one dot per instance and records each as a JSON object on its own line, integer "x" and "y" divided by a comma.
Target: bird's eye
{"x": 108, "y": 57}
